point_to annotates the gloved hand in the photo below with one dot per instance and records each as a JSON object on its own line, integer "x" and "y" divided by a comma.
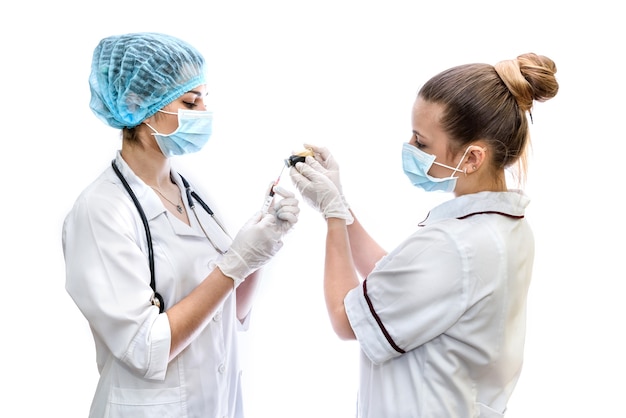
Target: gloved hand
{"x": 325, "y": 158}
{"x": 318, "y": 190}
{"x": 254, "y": 245}
{"x": 286, "y": 209}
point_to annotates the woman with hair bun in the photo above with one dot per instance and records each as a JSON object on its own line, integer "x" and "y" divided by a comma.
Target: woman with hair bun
{"x": 441, "y": 319}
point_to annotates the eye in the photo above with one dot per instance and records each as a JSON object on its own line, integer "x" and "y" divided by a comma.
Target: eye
{"x": 190, "y": 105}
{"x": 416, "y": 140}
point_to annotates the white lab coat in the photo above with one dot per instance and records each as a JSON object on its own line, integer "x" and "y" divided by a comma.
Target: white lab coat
{"x": 108, "y": 277}
{"x": 441, "y": 320}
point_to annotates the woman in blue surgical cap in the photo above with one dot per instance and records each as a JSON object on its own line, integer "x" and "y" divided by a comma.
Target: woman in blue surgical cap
{"x": 149, "y": 264}
{"x": 440, "y": 319}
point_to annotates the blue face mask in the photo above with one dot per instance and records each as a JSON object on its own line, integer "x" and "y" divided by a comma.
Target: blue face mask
{"x": 416, "y": 164}
{"x": 193, "y": 132}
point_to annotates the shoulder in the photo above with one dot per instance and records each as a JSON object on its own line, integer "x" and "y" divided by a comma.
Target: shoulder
{"x": 101, "y": 200}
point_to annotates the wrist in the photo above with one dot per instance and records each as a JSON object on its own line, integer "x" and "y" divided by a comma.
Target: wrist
{"x": 231, "y": 265}
{"x": 343, "y": 215}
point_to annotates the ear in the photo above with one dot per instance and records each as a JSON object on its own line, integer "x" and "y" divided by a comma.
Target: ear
{"x": 474, "y": 158}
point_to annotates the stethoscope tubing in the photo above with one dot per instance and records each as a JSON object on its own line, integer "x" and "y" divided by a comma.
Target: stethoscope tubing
{"x": 157, "y": 299}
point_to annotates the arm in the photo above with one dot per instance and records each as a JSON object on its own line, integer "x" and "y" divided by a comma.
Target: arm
{"x": 255, "y": 244}
{"x": 189, "y": 316}
{"x": 106, "y": 273}
{"x": 365, "y": 251}
{"x": 285, "y": 209}
{"x": 245, "y": 294}
{"x": 339, "y": 276}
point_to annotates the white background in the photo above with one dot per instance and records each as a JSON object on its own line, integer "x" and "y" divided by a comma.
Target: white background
{"x": 342, "y": 74}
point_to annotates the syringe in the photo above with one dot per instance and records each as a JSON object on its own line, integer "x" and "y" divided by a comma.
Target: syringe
{"x": 289, "y": 162}
{"x": 270, "y": 195}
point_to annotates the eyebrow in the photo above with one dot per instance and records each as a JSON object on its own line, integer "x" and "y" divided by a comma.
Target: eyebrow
{"x": 197, "y": 93}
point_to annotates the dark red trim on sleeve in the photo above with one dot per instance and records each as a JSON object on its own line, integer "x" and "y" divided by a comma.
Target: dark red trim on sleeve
{"x": 378, "y": 321}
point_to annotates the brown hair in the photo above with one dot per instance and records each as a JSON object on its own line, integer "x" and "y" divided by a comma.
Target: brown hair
{"x": 485, "y": 102}
{"x": 131, "y": 135}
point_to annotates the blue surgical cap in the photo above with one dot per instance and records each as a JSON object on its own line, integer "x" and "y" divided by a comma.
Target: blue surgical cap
{"x": 135, "y": 75}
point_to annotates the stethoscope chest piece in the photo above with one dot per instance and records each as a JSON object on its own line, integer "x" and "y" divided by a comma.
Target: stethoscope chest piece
{"x": 157, "y": 300}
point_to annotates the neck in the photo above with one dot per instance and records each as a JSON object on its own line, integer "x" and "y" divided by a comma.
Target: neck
{"x": 148, "y": 163}
{"x": 480, "y": 182}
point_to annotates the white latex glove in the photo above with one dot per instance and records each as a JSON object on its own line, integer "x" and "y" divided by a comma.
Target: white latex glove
{"x": 286, "y": 209}
{"x": 323, "y": 156}
{"x": 254, "y": 245}
{"x": 318, "y": 190}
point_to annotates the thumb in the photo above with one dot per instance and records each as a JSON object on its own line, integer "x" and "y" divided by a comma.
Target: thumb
{"x": 311, "y": 169}
{"x": 313, "y": 163}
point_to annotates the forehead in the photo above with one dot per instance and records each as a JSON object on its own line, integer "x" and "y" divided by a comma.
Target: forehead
{"x": 198, "y": 91}
{"x": 426, "y": 114}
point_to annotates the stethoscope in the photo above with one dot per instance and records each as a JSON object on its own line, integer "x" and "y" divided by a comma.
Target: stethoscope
{"x": 157, "y": 299}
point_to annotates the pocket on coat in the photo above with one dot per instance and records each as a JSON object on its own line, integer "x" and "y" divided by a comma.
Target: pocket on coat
{"x": 144, "y": 403}
{"x": 487, "y": 412}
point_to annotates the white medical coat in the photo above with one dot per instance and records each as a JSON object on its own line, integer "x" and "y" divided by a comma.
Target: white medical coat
{"x": 108, "y": 277}
{"x": 441, "y": 319}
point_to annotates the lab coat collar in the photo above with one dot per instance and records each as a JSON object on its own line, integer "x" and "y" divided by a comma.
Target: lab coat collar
{"x": 511, "y": 203}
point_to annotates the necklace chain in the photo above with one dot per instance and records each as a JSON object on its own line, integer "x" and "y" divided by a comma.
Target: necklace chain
{"x": 179, "y": 206}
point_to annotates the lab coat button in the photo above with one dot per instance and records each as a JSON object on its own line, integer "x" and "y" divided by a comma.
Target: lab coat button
{"x": 221, "y": 368}
{"x": 218, "y": 316}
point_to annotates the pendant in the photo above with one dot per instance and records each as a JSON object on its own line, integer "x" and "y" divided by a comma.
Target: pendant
{"x": 179, "y": 208}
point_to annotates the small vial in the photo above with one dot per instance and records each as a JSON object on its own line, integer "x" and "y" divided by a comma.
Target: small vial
{"x": 298, "y": 157}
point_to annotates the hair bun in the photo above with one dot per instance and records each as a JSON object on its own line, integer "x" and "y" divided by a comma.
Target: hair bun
{"x": 529, "y": 77}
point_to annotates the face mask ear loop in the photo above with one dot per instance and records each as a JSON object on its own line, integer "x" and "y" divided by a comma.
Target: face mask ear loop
{"x": 154, "y": 131}
{"x": 448, "y": 167}
{"x": 466, "y": 151}
{"x": 464, "y": 171}
{"x": 457, "y": 166}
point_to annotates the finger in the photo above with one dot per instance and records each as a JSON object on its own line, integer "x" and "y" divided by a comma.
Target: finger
{"x": 317, "y": 149}
{"x": 287, "y": 210}
{"x": 297, "y": 178}
{"x": 288, "y": 204}
{"x": 267, "y": 219}
{"x": 302, "y": 171}
{"x": 288, "y": 217}
{"x": 288, "y": 213}
{"x": 313, "y": 172}
{"x": 312, "y": 162}
{"x": 281, "y": 191}
{"x": 322, "y": 154}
